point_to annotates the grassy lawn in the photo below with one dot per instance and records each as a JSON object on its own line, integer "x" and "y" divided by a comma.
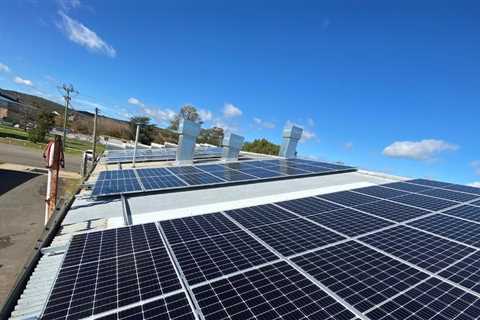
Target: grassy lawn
{"x": 19, "y": 137}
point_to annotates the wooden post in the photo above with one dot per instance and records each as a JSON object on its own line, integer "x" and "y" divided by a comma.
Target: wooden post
{"x": 53, "y": 172}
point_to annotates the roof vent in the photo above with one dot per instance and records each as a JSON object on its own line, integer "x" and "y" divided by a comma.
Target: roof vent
{"x": 291, "y": 135}
{"x": 188, "y": 131}
{"x": 232, "y": 144}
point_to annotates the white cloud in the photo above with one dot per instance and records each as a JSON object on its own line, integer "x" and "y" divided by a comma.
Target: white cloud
{"x": 307, "y": 136}
{"x": 68, "y": 4}
{"x": 25, "y": 82}
{"x": 230, "y": 111}
{"x": 161, "y": 116}
{"x": 4, "y": 68}
{"x": 418, "y": 150}
{"x": 476, "y": 166}
{"x": 135, "y": 102}
{"x": 83, "y": 36}
{"x": 475, "y": 184}
{"x": 263, "y": 124}
{"x": 205, "y": 115}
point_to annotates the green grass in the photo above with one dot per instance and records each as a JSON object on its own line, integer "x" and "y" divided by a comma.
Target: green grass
{"x": 19, "y": 137}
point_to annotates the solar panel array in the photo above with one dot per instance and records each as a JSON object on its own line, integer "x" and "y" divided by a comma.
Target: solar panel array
{"x": 361, "y": 254}
{"x": 166, "y": 154}
{"x": 183, "y": 177}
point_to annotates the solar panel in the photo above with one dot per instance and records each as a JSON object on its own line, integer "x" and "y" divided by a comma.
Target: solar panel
{"x": 199, "y": 179}
{"x": 220, "y": 255}
{"x": 276, "y": 291}
{"x": 350, "y": 222}
{"x": 465, "y": 212}
{"x": 450, "y": 227}
{"x": 430, "y": 183}
{"x": 106, "y": 244}
{"x": 449, "y": 195}
{"x": 183, "y": 177}
{"x": 295, "y": 236}
{"x": 462, "y": 188}
{"x": 174, "y": 307}
{"x": 419, "y": 248}
{"x": 392, "y": 211}
{"x": 466, "y": 272}
{"x": 231, "y": 175}
{"x": 360, "y": 275}
{"x": 197, "y": 227}
{"x": 476, "y": 203}
{"x": 381, "y": 192}
{"x": 308, "y": 206}
{"x": 130, "y": 271}
{"x": 425, "y": 202}
{"x": 406, "y": 186}
{"x": 432, "y": 299}
{"x": 256, "y": 216}
{"x": 348, "y": 198}
{"x": 116, "y": 186}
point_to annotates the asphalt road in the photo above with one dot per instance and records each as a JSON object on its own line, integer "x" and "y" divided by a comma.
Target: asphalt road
{"x": 30, "y": 157}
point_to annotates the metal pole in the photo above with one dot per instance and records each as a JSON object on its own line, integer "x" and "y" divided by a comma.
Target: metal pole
{"x": 65, "y": 117}
{"x": 135, "y": 148}
{"x": 94, "y": 135}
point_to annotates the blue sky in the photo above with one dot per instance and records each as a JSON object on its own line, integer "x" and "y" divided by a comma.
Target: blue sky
{"x": 390, "y": 86}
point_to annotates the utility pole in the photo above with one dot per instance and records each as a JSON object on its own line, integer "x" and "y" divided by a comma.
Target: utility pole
{"x": 68, "y": 89}
{"x": 136, "y": 142}
{"x": 94, "y": 135}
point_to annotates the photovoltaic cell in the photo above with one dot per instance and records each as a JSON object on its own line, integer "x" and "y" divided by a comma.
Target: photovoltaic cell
{"x": 350, "y": 222}
{"x": 195, "y": 179}
{"x": 261, "y": 173}
{"x": 231, "y": 175}
{"x": 425, "y": 202}
{"x": 212, "y": 257}
{"x": 295, "y": 236}
{"x": 153, "y": 172}
{"x": 450, "y": 227}
{"x": 102, "y": 285}
{"x": 419, "y": 248}
{"x": 360, "y": 275}
{"x": 449, "y": 195}
{"x": 462, "y": 188}
{"x": 308, "y": 206}
{"x": 476, "y": 203}
{"x": 348, "y": 198}
{"x": 276, "y": 291}
{"x": 174, "y": 307}
{"x": 432, "y": 299}
{"x": 256, "y": 216}
{"x": 106, "y": 244}
{"x": 430, "y": 183}
{"x": 117, "y": 186}
{"x": 163, "y": 182}
{"x": 185, "y": 170}
{"x": 406, "y": 186}
{"x": 197, "y": 227}
{"x": 466, "y": 272}
{"x": 391, "y": 210}
{"x": 381, "y": 192}
{"x": 465, "y": 212}
{"x": 116, "y": 174}
{"x": 287, "y": 170}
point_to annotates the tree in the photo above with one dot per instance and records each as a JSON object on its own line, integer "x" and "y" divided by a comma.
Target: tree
{"x": 45, "y": 122}
{"x": 187, "y": 112}
{"x": 261, "y": 146}
{"x": 212, "y": 136}
{"x": 146, "y": 134}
